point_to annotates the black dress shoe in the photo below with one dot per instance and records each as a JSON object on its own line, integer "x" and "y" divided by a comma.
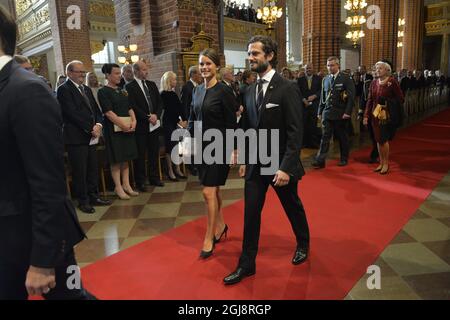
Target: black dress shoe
{"x": 343, "y": 163}
{"x": 318, "y": 165}
{"x": 157, "y": 183}
{"x": 141, "y": 188}
{"x": 238, "y": 275}
{"x": 100, "y": 202}
{"x": 300, "y": 255}
{"x": 86, "y": 208}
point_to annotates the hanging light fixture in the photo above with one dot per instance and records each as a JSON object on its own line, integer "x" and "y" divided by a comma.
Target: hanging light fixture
{"x": 127, "y": 50}
{"x": 355, "y": 20}
{"x": 269, "y": 14}
{"x": 401, "y": 32}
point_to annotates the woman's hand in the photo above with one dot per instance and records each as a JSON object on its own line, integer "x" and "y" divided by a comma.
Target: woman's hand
{"x": 365, "y": 121}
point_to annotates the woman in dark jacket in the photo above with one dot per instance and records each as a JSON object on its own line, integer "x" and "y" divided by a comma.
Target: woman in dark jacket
{"x": 214, "y": 106}
{"x": 173, "y": 119}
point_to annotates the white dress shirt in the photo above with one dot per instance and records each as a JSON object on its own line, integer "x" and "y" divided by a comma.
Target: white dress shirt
{"x": 4, "y": 60}
{"x": 267, "y": 77}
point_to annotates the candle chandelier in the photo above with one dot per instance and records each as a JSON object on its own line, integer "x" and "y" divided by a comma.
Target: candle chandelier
{"x": 269, "y": 14}
{"x": 127, "y": 50}
{"x": 401, "y": 32}
{"x": 355, "y": 20}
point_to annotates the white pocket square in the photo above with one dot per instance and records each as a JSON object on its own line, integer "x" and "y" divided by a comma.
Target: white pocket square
{"x": 271, "y": 105}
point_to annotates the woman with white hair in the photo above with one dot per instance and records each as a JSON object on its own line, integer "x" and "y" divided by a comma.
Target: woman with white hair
{"x": 383, "y": 109}
{"x": 173, "y": 118}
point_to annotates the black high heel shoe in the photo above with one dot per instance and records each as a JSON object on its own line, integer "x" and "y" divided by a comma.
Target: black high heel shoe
{"x": 206, "y": 254}
{"x": 224, "y": 232}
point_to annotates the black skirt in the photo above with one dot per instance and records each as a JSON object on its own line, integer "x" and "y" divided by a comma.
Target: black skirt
{"x": 213, "y": 175}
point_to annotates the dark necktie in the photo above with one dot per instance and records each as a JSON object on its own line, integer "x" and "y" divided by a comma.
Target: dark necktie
{"x": 147, "y": 96}
{"x": 86, "y": 99}
{"x": 332, "y": 81}
{"x": 260, "y": 97}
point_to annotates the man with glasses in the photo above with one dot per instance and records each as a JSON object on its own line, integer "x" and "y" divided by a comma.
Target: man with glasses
{"x": 82, "y": 128}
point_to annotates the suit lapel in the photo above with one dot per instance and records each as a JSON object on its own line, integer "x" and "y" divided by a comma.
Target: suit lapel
{"x": 200, "y": 93}
{"x": 272, "y": 86}
{"x": 78, "y": 93}
{"x": 251, "y": 105}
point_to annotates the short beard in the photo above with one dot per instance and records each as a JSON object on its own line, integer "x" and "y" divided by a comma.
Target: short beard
{"x": 261, "y": 67}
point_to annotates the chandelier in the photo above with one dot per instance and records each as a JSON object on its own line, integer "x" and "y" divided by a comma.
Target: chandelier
{"x": 269, "y": 14}
{"x": 355, "y": 20}
{"x": 127, "y": 50}
{"x": 401, "y": 32}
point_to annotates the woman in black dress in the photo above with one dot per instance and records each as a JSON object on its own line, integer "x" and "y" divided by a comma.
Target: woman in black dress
{"x": 173, "y": 119}
{"x": 214, "y": 105}
{"x": 120, "y": 124}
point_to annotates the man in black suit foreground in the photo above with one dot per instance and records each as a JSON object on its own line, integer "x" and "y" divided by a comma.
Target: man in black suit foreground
{"x": 38, "y": 224}
{"x": 272, "y": 104}
{"x": 82, "y": 129}
{"x": 336, "y": 104}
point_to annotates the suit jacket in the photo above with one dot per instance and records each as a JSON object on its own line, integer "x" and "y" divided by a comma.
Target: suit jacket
{"x": 79, "y": 116}
{"x": 140, "y": 105}
{"x": 38, "y": 224}
{"x": 283, "y": 114}
{"x": 333, "y": 105}
{"x": 186, "y": 97}
{"x": 367, "y": 80}
{"x": 316, "y": 88}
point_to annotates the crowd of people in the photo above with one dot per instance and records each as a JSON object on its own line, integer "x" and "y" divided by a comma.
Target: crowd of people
{"x": 241, "y": 12}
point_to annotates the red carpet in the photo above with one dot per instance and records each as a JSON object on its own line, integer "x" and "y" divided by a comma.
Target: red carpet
{"x": 353, "y": 214}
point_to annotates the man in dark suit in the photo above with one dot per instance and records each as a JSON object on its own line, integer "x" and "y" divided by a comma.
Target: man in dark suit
{"x": 366, "y": 80}
{"x": 82, "y": 129}
{"x": 195, "y": 79}
{"x": 310, "y": 87}
{"x": 272, "y": 104}
{"x": 336, "y": 104}
{"x": 148, "y": 106}
{"x": 38, "y": 224}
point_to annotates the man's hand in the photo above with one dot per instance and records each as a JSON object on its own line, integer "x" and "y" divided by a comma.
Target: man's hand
{"x": 242, "y": 171}
{"x": 319, "y": 117}
{"x": 305, "y": 102}
{"x": 365, "y": 121}
{"x": 234, "y": 158}
{"x": 96, "y": 131}
{"x": 312, "y": 98}
{"x": 40, "y": 281}
{"x": 183, "y": 124}
{"x": 153, "y": 119}
{"x": 346, "y": 116}
{"x": 281, "y": 179}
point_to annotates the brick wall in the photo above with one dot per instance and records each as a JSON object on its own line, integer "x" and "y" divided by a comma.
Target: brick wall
{"x": 382, "y": 43}
{"x": 159, "y": 43}
{"x": 69, "y": 44}
{"x": 321, "y": 38}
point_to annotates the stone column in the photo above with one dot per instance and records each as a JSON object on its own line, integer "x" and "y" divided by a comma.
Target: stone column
{"x": 445, "y": 53}
{"x": 410, "y": 55}
{"x": 321, "y": 20}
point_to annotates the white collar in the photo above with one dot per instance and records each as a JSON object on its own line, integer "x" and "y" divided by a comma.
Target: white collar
{"x": 268, "y": 76}
{"x": 75, "y": 84}
{"x": 335, "y": 75}
{"x": 4, "y": 60}
{"x": 194, "y": 83}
